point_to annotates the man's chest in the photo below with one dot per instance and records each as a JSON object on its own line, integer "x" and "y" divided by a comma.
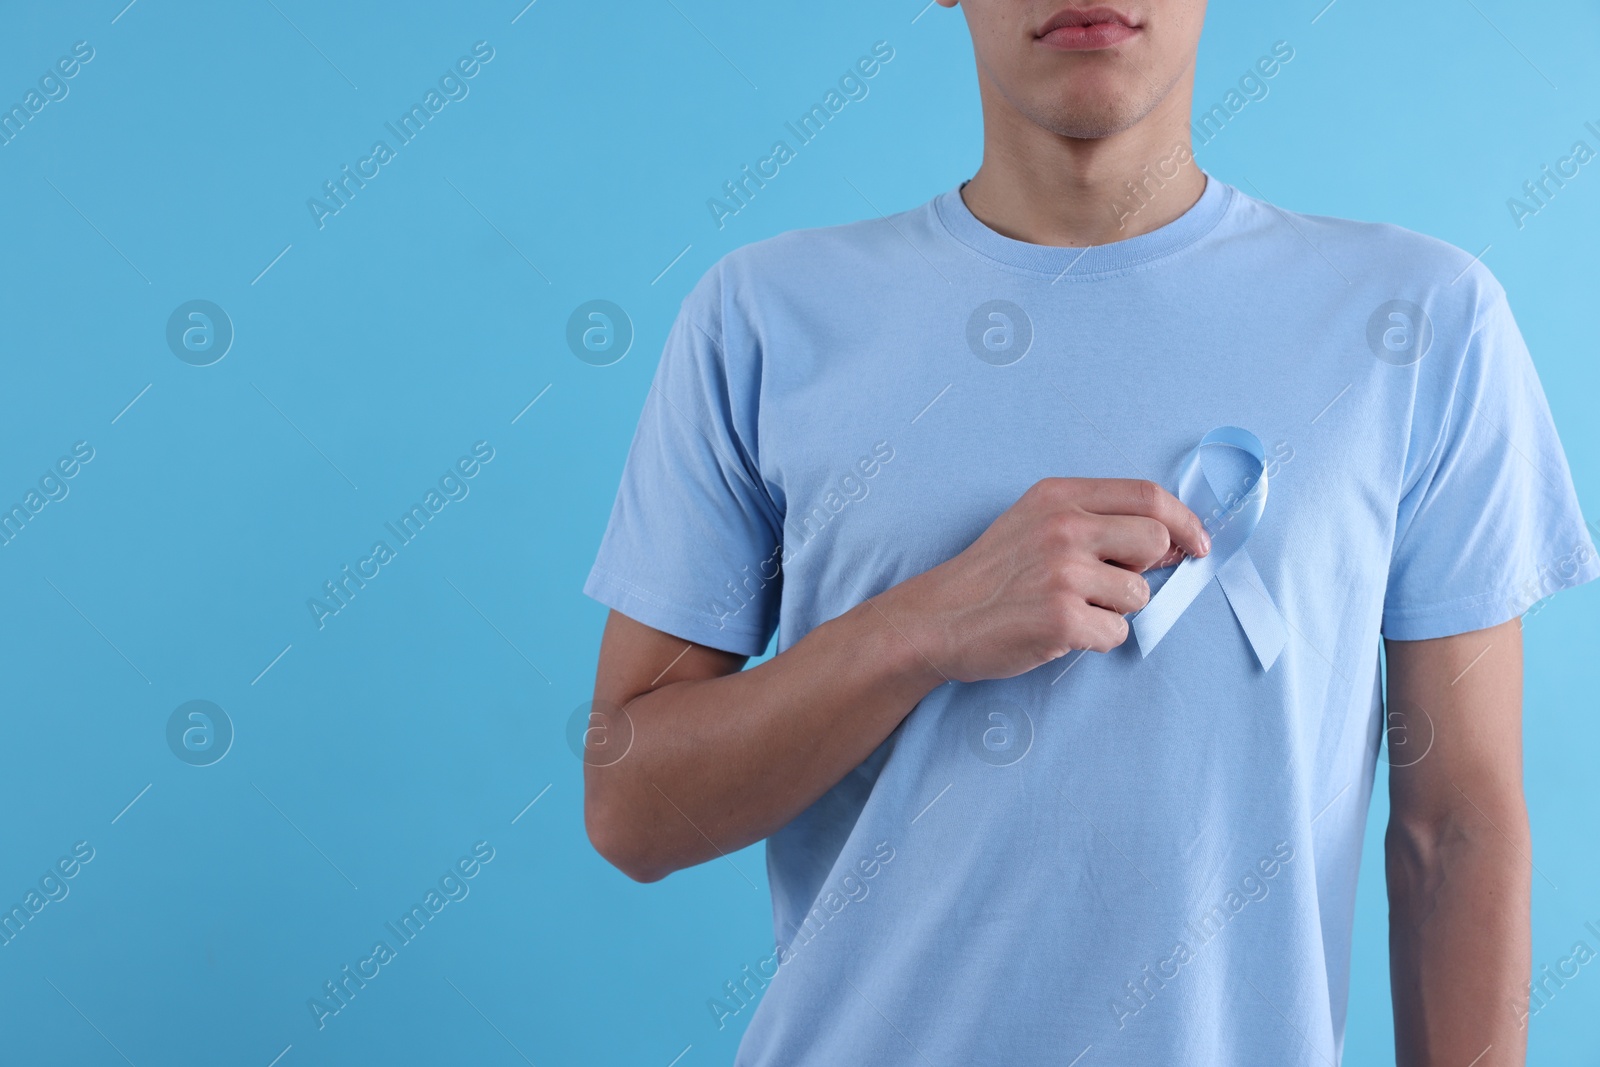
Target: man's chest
{"x": 888, "y": 458}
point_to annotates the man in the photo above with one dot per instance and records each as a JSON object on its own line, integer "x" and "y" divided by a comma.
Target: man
{"x": 937, "y": 453}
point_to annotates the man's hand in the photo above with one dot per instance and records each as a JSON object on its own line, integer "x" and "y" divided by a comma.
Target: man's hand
{"x": 1057, "y": 571}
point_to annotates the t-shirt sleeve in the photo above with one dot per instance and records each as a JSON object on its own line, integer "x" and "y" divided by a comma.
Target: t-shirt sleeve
{"x": 692, "y": 547}
{"x": 1490, "y": 523}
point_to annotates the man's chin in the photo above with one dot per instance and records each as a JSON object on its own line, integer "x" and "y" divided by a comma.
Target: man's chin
{"x": 1091, "y": 119}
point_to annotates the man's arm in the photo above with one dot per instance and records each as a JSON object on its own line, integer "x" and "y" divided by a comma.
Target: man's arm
{"x": 706, "y": 758}
{"x": 1458, "y": 850}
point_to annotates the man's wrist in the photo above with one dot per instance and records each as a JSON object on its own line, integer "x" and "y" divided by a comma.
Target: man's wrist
{"x": 904, "y": 635}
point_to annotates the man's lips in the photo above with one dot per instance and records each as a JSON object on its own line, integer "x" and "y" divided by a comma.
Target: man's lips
{"x": 1081, "y": 29}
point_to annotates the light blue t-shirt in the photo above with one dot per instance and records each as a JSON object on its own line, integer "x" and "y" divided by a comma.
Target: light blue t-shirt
{"x": 1133, "y": 860}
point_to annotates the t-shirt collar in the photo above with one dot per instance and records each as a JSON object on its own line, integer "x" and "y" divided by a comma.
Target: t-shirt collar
{"x": 1080, "y": 264}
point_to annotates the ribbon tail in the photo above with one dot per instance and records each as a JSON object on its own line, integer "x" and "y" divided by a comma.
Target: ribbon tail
{"x": 1171, "y": 601}
{"x": 1252, "y": 605}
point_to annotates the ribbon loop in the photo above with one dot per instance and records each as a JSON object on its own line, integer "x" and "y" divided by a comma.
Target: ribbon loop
{"x": 1230, "y": 518}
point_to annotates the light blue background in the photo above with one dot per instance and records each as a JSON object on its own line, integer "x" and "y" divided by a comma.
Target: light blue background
{"x": 428, "y": 714}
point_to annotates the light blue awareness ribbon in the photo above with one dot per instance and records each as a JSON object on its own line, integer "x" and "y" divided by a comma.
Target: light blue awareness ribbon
{"x": 1230, "y": 523}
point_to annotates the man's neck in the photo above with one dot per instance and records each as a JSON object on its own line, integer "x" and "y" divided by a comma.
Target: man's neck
{"x": 1039, "y": 187}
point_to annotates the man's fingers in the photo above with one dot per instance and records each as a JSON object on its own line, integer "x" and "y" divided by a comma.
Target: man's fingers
{"x": 1116, "y": 589}
{"x": 1174, "y": 556}
{"x": 1132, "y": 541}
{"x": 1101, "y": 630}
{"x": 1127, "y": 496}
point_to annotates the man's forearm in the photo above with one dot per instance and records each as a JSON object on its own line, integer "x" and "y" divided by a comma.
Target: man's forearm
{"x": 716, "y": 764}
{"x": 1457, "y": 850}
{"x": 1459, "y": 937}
